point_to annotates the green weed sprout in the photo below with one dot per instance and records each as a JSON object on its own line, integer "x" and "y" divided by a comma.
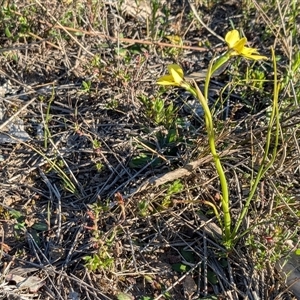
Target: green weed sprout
{"x": 236, "y": 47}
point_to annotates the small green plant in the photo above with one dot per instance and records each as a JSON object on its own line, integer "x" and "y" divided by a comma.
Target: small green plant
{"x": 99, "y": 166}
{"x": 96, "y": 61}
{"x": 256, "y": 78}
{"x": 99, "y": 261}
{"x": 143, "y": 207}
{"x": 86, "y": 86}
{"x": 175, "y": 40}
{"x": 167, "y": 136}
{"x": 236, "y": 47}
{"x": 96, "y": 144}
{"x": 124, "y": 296}
{"x": 112, "y": 104}
{"x": 141, "y": 160}
{"x": 15, "y": 25}
{"x": 159, "y": 112}
{"x": 102, "y": 259}
{"x": 123, "y": 77}
{"x": 174, "y": 188}
{"x": 268, "y": 246}
{"x": 20, "y": 225}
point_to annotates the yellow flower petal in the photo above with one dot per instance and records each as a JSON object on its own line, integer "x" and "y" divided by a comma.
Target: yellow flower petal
{"x": 250, "y": 50}
{"x": 166, "y": 80}
{"x": 237, "y": 46}
{"x": 255, "y": 57}
{"x": 176, "y": 72}
{"x": 232, "y": 37}
{"x": 174, "y": 78}
{"x": 252, "y": 53}
{"x": 240, "y": 45}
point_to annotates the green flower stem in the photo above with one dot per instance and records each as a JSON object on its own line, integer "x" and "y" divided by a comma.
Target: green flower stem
{"x": 230, "y": 236}
{"x": 203, "y": 99}
{"x": 220, "y": 62}
{"x": 226, "y": 226}
{"x": 214, "y": 209}
{"x": 213, "y": 67}
{"x": 274, "y": 119}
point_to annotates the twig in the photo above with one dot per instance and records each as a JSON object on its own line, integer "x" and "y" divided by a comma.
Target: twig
{"x": 16, "y": 114}
{"x": 179, "y": 173}
{"x": 202, "y": 23}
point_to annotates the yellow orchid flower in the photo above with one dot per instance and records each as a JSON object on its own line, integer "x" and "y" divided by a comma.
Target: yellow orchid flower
{"x": 175, "y": 76}
{"x": 237, "y": 45}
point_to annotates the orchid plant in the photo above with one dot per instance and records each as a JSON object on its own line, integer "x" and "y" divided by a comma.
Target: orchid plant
{"x": 236, "y": 47}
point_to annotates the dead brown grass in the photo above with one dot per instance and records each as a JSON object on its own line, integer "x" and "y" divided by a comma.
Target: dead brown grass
{"x": 107, "y": 125}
